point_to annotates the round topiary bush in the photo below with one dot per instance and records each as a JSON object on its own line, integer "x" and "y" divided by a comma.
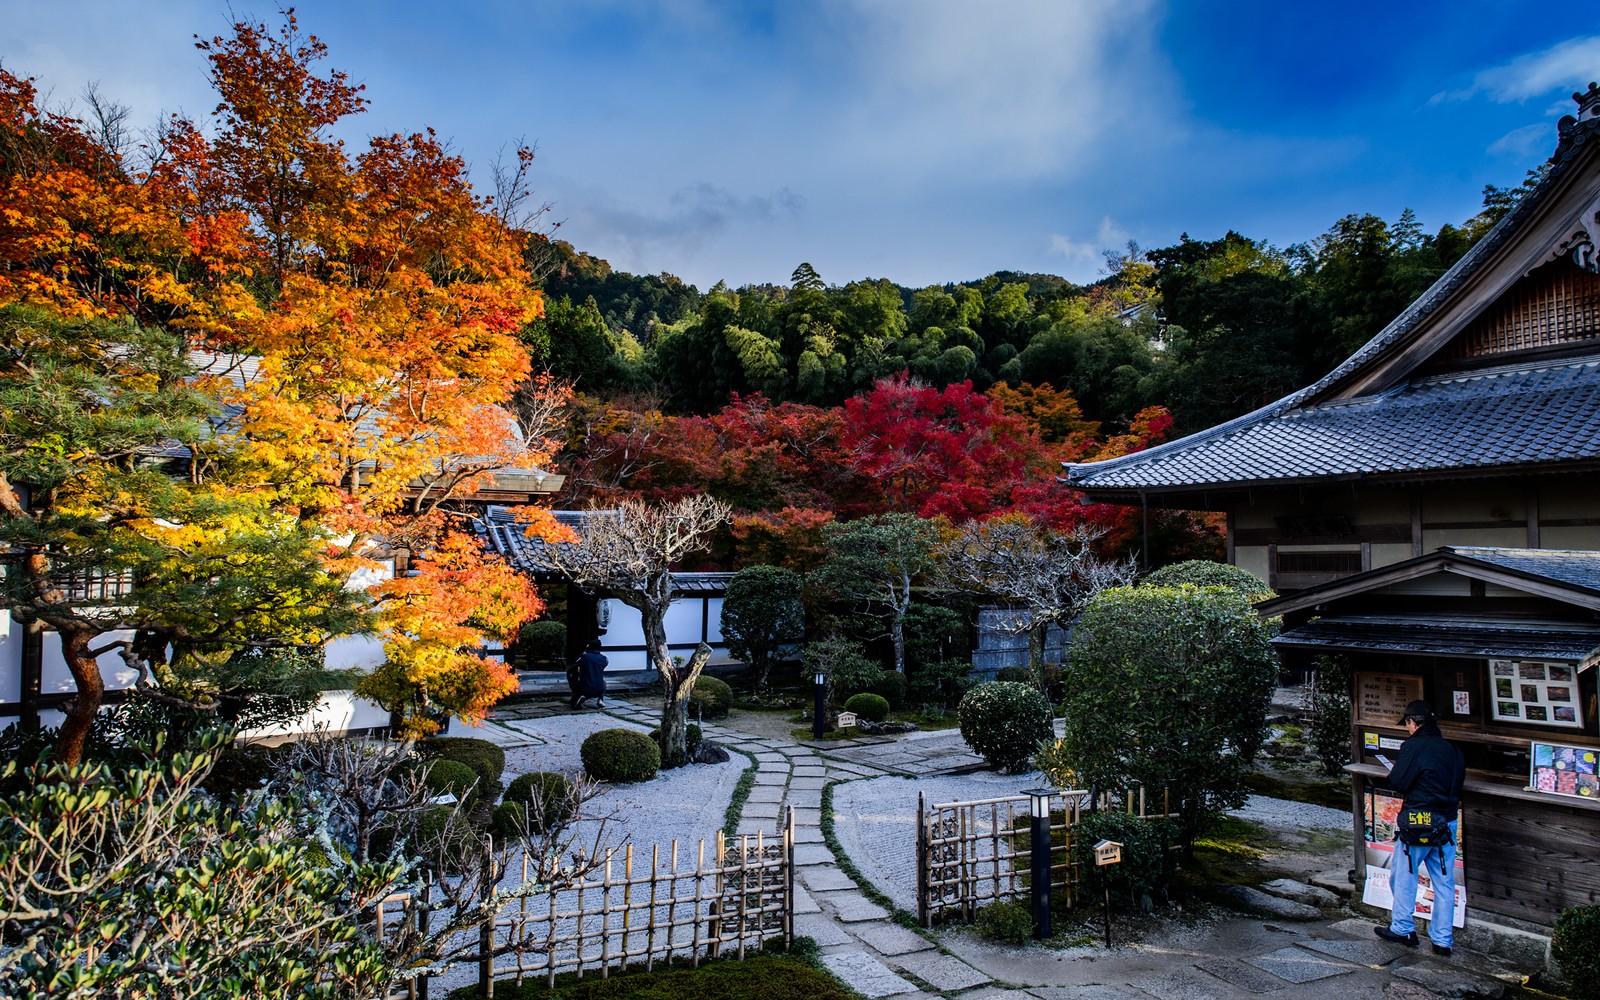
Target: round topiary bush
{"x": 620, "y": 755}
{"x": 449, "y": 777}
{"x": 1010, "y": 922}
{"x": 693, "y": 736}
{"x": 1003, "y": 722}
{"x": 485, "y": 758}
{"x": 546, "y": 795}
{"x": 543, "y": 643}
{"x": 1576, "y": 948}
{"x": 713, "y": 696}
{"x": 871, "y": 707}
{"x": 1204, "y": 573}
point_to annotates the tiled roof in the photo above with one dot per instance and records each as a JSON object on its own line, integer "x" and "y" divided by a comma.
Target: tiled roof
{"x": 1572, "y": 567}
{"x": 1389, "y": 432}
{"x": 1490, "y": 418}
{"x": 1474, "y": 637}
{"x": 505, "y": 536}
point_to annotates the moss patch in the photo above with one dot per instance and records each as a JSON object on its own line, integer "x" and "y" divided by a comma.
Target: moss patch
{"x": 761, "y": 977}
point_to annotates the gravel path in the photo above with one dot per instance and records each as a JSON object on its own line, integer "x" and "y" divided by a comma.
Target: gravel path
{"x": 1293, "y": 817}
{"x": 875, "y": 821}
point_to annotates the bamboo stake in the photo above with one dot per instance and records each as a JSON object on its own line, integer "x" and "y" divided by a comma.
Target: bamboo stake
{"x": 650, "y": 935}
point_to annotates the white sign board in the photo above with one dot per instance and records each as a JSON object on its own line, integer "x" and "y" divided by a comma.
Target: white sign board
{"x": 1107, "y": 852}
{"x": 847, "y": 720}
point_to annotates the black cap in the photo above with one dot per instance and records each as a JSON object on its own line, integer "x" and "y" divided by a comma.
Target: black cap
{"x": 1419, "y": 710}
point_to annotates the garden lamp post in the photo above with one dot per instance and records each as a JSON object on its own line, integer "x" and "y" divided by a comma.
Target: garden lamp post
{"x": 819, "y": 716}
{"x": 1039, "y": 810}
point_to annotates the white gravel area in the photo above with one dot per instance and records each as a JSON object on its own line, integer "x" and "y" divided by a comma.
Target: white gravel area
{"x": 875, "y": 820}
{"x": 687, "y": 804}
{"x": 1293, "y": 817}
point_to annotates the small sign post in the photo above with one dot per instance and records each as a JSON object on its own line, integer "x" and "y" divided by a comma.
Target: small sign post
{"x": 1107, "y": 852}
{"x": 847, "y": 720}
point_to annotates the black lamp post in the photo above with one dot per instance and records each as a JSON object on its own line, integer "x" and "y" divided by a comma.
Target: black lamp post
{"x": 819, "y": 716}
{"x": 1039, "y": 810}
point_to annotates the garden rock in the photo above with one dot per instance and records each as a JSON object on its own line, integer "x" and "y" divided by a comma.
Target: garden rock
{"x": 709, "y": 753}
{"x": 1253, "y": 900}
{"x": 1310, "y": 895}
{"x": 885, "y": 728}
{"x": 1451, "y": 981}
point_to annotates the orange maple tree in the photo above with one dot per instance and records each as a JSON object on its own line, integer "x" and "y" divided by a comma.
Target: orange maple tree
{"x": 359, "y": 317}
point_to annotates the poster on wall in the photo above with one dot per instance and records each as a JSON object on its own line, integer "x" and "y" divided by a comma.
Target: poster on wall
{"x": 1545, "y": 694}
{"x": 1382, "y": 698}
{"x": 1382, "y": 816}
{"x": 1561, "y": 770}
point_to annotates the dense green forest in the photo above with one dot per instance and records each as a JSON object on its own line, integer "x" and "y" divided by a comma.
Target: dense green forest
{"x": 1208, "y": 329}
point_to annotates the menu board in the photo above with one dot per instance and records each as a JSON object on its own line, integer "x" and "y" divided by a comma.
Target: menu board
{"x": 1382, "y": 698}
{"x": 1545, "y": 694}
{"x": 1563, "y": 770}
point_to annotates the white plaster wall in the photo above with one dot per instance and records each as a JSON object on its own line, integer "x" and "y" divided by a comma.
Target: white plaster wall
{"x": 682, "y": 622}
{"x": 10, "y": 661}
{"x": 56, "y": 678}
{"x": 363, "y": 651}
{"x": 1389, "y": 553}
{"x": 337, "y": 711}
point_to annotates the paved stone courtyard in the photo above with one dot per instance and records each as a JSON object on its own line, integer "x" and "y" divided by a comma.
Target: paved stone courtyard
{"x": 1210, "y": 959}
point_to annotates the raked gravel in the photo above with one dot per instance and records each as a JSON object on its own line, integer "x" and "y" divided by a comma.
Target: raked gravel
{"x": 875, "y": 822}
{"x": 687, "y": 804}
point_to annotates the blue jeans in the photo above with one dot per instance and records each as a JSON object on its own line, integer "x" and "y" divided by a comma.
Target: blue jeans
{"x": 1441, "y": 867}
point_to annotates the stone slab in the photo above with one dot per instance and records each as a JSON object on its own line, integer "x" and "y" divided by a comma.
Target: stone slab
{"x": 854, "y": 908}
{"x": 1253, "y": 900}
{"x": 1246, "y": 977}
{"x": 866, "y": 975}
{"x": 823, "y": 878}
{"x": 779, "y": 778}
{"x": 1088, "y": 991}
{"x": 766, "y": 793}
{"x": 803, "y": 903}
{"x": 1300, "y": 892}
{"x": 807, "y": 817}
{"x": 800, "y": 783}
{"x": 1300, "y": 966}
{"x": 942, "y": 972}
{"x": 761, "y": 810}
{"x": 892, "y": 939}
{"x": 1450, "y": 981}
{"x": 813, "y": 854}
{"x": 1373, "y": 954}
{"x": 1183, "y": 984}
{"x": 807, "y": 835}
{"x": 1335, "y": 880}
{"x": 821, "y": 929}
{"x": 806, "y": 800}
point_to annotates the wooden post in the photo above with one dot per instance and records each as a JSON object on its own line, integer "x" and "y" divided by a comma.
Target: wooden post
{"x": 788, "y": 878}
{"x": 923, "y": 917}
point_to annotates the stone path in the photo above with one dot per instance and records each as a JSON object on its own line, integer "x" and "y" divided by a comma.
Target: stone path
{"x": 1218, "y": 960}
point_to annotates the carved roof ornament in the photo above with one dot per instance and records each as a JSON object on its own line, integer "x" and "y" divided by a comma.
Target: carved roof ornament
{"x": 1586, "y": 228}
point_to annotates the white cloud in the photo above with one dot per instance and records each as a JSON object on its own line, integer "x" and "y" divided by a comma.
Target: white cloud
{"x": 1082, "y": 253}
{"x": 1525, "y": 142}
{"x": 1015, "y": 89}
{"x": 1567, "y": 65}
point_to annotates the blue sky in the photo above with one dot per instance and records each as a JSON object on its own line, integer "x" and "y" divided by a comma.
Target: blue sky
{"x": 922, "y": 142}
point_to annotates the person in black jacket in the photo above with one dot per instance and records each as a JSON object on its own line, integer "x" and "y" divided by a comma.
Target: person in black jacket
{"x": 590, "y": 667}
{"x": 1429, "y": 773}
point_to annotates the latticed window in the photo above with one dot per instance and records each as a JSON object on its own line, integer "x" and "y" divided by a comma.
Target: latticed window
{"x": 1557, "y": 304}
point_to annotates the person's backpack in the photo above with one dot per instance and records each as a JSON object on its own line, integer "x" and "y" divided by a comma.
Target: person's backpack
{"x": 1424, "y": 828}
{"x": 575, "y": 675}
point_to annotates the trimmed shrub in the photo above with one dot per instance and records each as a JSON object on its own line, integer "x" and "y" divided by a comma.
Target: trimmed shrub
{"x": 1004, "y": 722}
{"x": 1576, "y": 948}
{"x": 621, "y": 756}
{"x": 891, "y": 687}
{"x": 487, "y": 759}
{"x": 1010, "y": 922}
{"x": 547, "y": 794}
{"x": 1328, "y": 714}
{"x": 1204, "y": 573}
{"x": 869, "y": 706}
{"x": 714, "y": 697}
{"x": 543, "y": 642}
{"x": 1014, "y": 675}
{"x": 1146, "y": 867}
{"x": 692, "y": 736}
{"x": 453, "y": 778}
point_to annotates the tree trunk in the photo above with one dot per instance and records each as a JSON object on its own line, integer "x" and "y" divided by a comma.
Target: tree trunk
{"x": 74, "y": 734}
{"x": 1036, "y": 635}
{"x": 677, "y": 684}
{"x": 897, "y": 635}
